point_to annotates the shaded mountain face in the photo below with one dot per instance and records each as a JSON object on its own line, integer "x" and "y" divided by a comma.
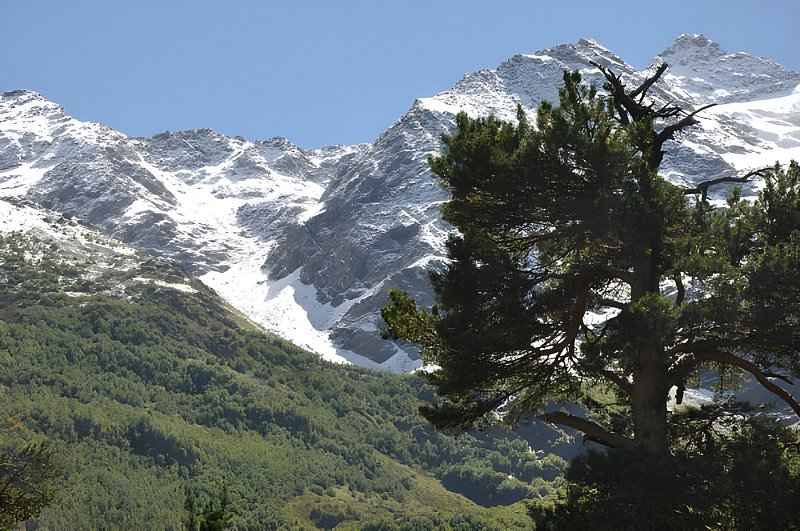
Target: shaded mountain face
{"x": 308, "y": 243}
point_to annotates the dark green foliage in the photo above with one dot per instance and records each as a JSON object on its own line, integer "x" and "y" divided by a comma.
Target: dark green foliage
{"x": 747, "y": 255}
{"x": 26, "y": 475}
{"x": 747, "y": 477}
{"x": 485, "y": 486}
{"x": 546, "y": 217}
{"x": 214, "y": 516}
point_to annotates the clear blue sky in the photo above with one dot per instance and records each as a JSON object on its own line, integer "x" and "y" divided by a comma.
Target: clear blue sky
{"x": 327, "y": 72}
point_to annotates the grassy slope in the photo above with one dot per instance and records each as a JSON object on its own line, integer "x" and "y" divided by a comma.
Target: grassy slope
{"x": 159, "y": 401}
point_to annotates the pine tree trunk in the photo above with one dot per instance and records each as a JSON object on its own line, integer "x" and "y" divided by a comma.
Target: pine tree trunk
{"x": 649, "y": 397}
{"x": 649, "y": 402}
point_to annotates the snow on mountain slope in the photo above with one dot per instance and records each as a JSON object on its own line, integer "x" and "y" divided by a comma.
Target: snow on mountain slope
{"x": 525, "y": 79}
{"x": 770, "y": 130}
{"x": 200, "y": 198}
{"x": 308, "y": 243}
{"x": 84, "y": 254}
{"x": 382, "y": 217}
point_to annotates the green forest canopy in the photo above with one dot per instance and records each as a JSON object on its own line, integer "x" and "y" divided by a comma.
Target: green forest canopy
{"x": 157, "y": 405}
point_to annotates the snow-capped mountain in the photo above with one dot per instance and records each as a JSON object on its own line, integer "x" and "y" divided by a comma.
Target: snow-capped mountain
{"x": 308, "y": 243}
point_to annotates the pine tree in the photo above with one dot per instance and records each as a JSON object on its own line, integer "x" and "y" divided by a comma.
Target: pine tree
{"x": 577, "y": 273}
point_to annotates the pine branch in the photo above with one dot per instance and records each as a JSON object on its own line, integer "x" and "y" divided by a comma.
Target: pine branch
{"x": 631, "y": 109}
{"x": 611, "y": 303}
{"x": 708, "y": 351}
{"x": 597, "y": 273}
{"x": 621, "y": 382}
{"x": 752, "y": 368}
{"x": 591, "y": 430}
{"x": 783, "y": 378}
{"x": 688, "y": 356}
{"x": 691, "y": 349}
{"x": 28, "y": 455}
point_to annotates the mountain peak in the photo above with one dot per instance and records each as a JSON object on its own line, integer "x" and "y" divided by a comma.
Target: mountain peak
{"x": 709, "y": 74}
{"x": 23, "y": 96}
{"x": 584, "y": 46}
{"x": 22, "y": 93}
{"x": 586, "y": 42}
{"x": 16, "y": 104}
{"x": 691, "y": 48}
{"x": 578, "y": 54}
{"x": 697, "y": 40}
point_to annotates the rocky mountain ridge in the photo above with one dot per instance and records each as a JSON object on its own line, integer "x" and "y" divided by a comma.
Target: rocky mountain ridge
{"x": 308, "y": 243}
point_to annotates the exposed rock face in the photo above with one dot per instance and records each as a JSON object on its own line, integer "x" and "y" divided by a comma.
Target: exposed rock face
{"x": 308, "y": 243}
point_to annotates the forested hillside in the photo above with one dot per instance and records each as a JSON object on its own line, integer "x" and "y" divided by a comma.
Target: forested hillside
{"x": 162, "y": 408}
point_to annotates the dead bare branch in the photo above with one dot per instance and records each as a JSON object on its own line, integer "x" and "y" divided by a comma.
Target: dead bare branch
{"x": 702, "y": 187}
{"x": 669, "y": 131}
{"x": 644, "y": 87}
